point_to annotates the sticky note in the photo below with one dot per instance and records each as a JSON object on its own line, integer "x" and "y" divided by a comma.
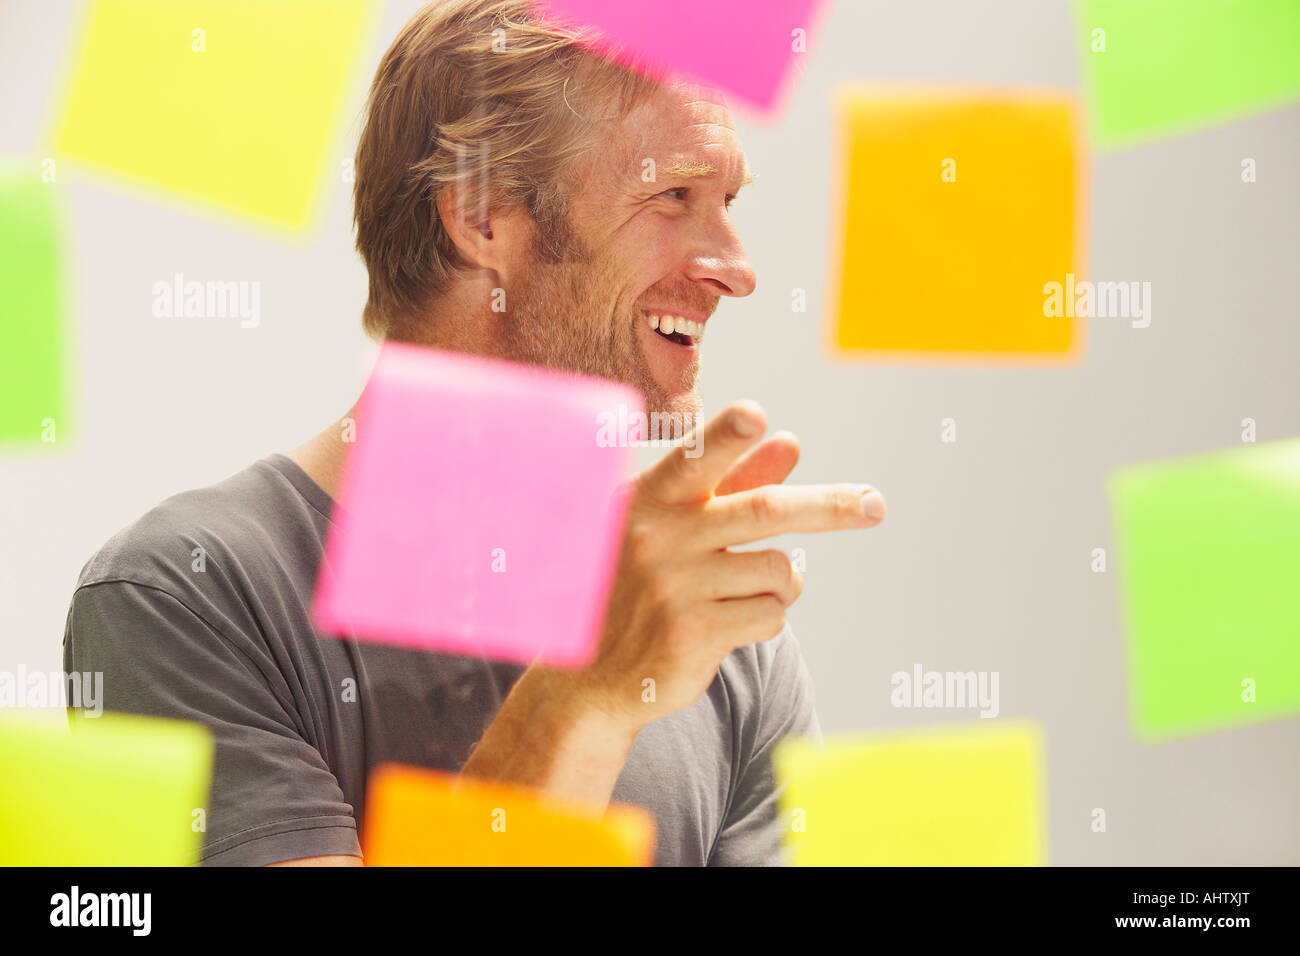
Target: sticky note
{"x": 957, "y": 212}
{"x": 116, "y": 790}
{"x": 32, "y": 333}
{"x": 968, "y": 795}
{"x": 1162, "y": 67}
{"x": 744, "y": 48}
{"x": 235, "y": 104}
{"x": 1208, "y": 564}
{"x": 479, "y": 512}
{"x": 418, "y": 817}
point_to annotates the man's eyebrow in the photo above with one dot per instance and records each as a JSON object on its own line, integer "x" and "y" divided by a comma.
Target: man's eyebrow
{"x": 688, "y": 170}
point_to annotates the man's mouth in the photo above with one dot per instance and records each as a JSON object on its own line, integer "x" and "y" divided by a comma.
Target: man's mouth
{"x": 669, "y": 348}
{"x": 676, "y": 328}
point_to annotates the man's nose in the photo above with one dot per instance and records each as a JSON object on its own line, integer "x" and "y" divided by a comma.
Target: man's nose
{"x": 720, "y": 260}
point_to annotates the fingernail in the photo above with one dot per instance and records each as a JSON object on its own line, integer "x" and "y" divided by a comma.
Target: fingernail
{"x": 743, "y": 425}
{"x": 873, "y": 505}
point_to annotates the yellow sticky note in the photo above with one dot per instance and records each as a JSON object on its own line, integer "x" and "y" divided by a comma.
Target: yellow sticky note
{"x": 234, "y": 103}
{"x": 956, "y": 796}
{"x": 958, "y": 210}
{"x": 420, "y": 817}
{"x": 118, "y": 790}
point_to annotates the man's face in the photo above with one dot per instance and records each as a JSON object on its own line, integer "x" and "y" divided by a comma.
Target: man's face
{"x": 651, "y": 240}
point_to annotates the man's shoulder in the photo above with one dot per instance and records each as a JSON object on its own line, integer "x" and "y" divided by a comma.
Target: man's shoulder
{"x": 749, "y": 671}
{"x": 237, "y": 523}
{"x": 769, "y": 691}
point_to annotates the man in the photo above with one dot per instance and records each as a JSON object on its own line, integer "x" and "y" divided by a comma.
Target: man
{"x": 500, "y": 163}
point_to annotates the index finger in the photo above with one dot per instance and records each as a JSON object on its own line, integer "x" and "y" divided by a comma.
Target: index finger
{"x": 692, "y": 470}
{"x": 781, "y": 509}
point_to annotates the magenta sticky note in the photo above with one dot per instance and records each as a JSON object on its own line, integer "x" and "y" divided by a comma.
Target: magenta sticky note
{"x": 481, "y": 509}
{"x": 745, "y": 47}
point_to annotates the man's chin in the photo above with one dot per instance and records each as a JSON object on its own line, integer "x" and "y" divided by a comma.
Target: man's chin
{"x": 680, "y": 397}
{"x": 683, "y": 407}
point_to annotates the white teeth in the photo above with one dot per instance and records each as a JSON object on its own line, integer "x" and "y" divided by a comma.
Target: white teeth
{"x": 669, "y": 324}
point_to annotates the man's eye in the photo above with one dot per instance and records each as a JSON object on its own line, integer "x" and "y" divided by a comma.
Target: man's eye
{"x": 680, "y": 193}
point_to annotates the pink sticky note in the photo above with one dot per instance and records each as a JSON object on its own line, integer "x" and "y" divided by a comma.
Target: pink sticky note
{"x": 742, "y": 46}
{"x": 480, "y": 511}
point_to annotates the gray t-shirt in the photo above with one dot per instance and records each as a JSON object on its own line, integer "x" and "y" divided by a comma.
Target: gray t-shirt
{"x": 299, "y": 719}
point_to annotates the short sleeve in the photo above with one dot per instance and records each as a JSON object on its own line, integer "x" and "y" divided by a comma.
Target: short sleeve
{"x": 754, "y": 830}
{"x": 273, "y": 798}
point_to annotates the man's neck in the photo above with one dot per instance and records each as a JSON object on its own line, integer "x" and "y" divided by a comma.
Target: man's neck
{"x": 321, "y": 457}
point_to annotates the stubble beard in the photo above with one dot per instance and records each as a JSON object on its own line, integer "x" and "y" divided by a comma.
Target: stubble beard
{"x": 561, "y": 318}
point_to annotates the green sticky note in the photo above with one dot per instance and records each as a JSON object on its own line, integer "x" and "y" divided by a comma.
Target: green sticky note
{"x": 117, "y": 790}
{"x": 1160, "y": 67}
{"x": 968, "y": 795}
{"x": 32, "y": 383}
{"x": 238, "y": 104}
{"x": 1208, "y": 558}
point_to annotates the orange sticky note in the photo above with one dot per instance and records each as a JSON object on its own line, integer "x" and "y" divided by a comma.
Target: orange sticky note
{"x": 419, "y": 817}
{"x": 959, "y": 213}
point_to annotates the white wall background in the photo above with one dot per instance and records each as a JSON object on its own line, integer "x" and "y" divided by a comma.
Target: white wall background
{"x": 983, "y": 562}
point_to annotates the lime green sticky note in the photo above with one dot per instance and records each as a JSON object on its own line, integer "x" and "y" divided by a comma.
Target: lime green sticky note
{"x": 1208, "y": 562}
{"x": 32, "y": 334}
{"x": 1160, "y": 67}
{"x": 117, "y": 790}
{"x": 234, "y": 103}
{"x": 968, "y": 795}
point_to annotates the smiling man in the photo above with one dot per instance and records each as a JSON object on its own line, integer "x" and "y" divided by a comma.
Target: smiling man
{"x": 501, "y": 165}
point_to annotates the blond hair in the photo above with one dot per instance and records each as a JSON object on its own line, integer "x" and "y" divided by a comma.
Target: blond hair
{"x": 483, "y": 94}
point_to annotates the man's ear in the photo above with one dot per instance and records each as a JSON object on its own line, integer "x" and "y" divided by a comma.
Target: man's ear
{"x": 486, "y": 239}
